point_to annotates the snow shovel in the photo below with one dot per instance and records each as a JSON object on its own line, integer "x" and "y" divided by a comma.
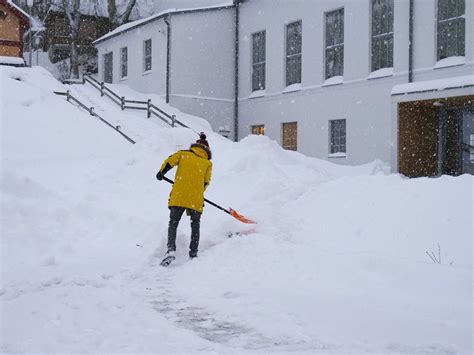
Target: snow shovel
{"x": 230, "y": 211}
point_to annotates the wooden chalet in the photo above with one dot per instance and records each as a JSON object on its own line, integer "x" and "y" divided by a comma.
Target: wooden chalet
{"x": 13, "y": 24}
{"x": 57, "y": 39}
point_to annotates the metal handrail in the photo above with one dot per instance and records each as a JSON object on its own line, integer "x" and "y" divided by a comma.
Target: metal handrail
{"x": 91, "y": 81}
{"x": 90, "y": 77}
{"x": 136, "y": 102}
{"x": 161, "y": 111}
{"x": 111, "y": 92}
{"x": 70, "y": 98}
{"x": 122, "y": 102}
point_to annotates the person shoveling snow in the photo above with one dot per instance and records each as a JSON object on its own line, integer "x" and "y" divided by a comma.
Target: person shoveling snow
{"x": 192, "y": 178}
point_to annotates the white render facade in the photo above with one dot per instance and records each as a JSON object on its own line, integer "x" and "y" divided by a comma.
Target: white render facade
{"x": 364, "y": 102}
{"x": 203, "y": 70}
{"x": 197, "y": 60}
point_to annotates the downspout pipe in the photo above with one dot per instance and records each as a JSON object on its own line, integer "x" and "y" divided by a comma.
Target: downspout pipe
{"x": 410, "y": 43}
{"x": 236, "y": 71}
{"x": 168, "y": 56}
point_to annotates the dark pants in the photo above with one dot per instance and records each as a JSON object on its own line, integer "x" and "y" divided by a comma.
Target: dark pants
{"x": 175, "y": 216}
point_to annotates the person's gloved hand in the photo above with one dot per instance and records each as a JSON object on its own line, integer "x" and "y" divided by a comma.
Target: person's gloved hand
{"x": 159, "y": 176}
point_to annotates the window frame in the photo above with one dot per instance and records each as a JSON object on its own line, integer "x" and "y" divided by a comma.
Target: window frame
{"x": 104, "y": 64}
{"x": 261, "y": 64}
{"x": 258, "y": 127}
{"x": 385, "y": 52}
{"x": 336, "y": 148}
{"x": 461, "y": 52}
{"x": 295, "y": 55}
{"x": 338, "y": 45}
{"x": 146, "y": 57}
{"x": 122, "y": 63}
{"x": 293, "y": 147}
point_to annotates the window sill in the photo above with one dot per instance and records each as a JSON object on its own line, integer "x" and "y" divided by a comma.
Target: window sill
{"x": 335, "y": 80}
{"x": 292, "y": 88}
{"x": 381, "y": 73}
{"x": 257, "y": 93}
{"x": 450, "y": 62}
{"x": 337, "y": 155}
{"x": 147, "y": 72}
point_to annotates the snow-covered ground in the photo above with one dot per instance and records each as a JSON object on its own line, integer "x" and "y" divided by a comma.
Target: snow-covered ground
{"x": 336, "y": 264}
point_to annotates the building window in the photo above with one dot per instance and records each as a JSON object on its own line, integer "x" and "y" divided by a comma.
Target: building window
{"x": 337, "y": 143}
{"x": 147, "y": 55}
{"x": 258, "y": 129}
{"x": 382, "y": 34}
{"x": 335, "y": 43}
{"x": 293, "y": 53}
{"x": 290, "y": 135}
{"x": 471, "y": 147}
{"x": 109, "y": 67}
{"x": 258, "y": 61}
{"x": 451, "y": 28}
{"x": 123, "y": 62}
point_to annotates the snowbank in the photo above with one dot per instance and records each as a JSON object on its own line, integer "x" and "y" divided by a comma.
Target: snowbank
{"x": 337, "y": 263}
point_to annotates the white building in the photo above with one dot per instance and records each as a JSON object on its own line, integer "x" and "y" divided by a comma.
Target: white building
{"x": 346, "y": 80}
{"x": 184, "y": 55}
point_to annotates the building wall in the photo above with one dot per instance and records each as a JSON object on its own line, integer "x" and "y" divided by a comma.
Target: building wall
{"x": 425, "y": 43}
{"x": 10, "y": 26}
{"x": 10, "y": 30}
{"x": 202, "y": 71}
{"x": 153, "y": 81}
{"x": 365, "y": 103}
{"x": 202, "y": 65}
{"x": 201, "y": 62}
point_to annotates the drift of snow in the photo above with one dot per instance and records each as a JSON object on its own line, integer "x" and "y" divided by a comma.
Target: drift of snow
{"x": 337, "y": 262}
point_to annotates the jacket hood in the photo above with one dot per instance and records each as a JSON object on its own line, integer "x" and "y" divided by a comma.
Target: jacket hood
{"x": 201, "y": 150}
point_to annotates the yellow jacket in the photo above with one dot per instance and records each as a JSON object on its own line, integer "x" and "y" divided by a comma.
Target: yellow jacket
{"x": 192, "y": 177}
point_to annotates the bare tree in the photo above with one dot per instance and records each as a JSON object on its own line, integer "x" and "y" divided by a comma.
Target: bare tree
{"x": 119, "y": 19}
{"x": 119, "y": 12}
{"x": 112, "y": 10}
{"x": 39, "y": 8}
{"x": 73, "y": 14}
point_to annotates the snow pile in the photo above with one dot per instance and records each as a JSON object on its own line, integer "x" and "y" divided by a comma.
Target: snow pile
{"x": 336, "y": 264}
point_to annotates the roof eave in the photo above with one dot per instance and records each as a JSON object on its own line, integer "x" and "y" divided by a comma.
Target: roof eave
{"x": 161, "y": 16}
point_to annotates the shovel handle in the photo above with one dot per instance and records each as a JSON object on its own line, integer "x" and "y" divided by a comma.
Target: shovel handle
{"x": 205, "y": 199}
{"x": 231, "y": 212}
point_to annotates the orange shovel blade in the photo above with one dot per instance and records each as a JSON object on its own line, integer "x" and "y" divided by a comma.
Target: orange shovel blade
{"x": 241, "y": 218}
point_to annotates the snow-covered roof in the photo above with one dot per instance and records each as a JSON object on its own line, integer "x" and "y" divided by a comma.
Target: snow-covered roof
{"x": 10, "y": 2}
{"x": 434, "y": 85}
{"x": 11, "y": 61}
{"x": 138, "y": 23}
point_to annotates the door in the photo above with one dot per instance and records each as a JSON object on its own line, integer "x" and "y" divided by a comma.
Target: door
{"x": 290, "y": 135}
{"x": 468, "y": 142}
{"x": 108, "y": 68}
{"x": 449, "y": 142}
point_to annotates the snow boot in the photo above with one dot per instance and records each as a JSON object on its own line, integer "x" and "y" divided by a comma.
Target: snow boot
{"x": 169, "y": 258}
